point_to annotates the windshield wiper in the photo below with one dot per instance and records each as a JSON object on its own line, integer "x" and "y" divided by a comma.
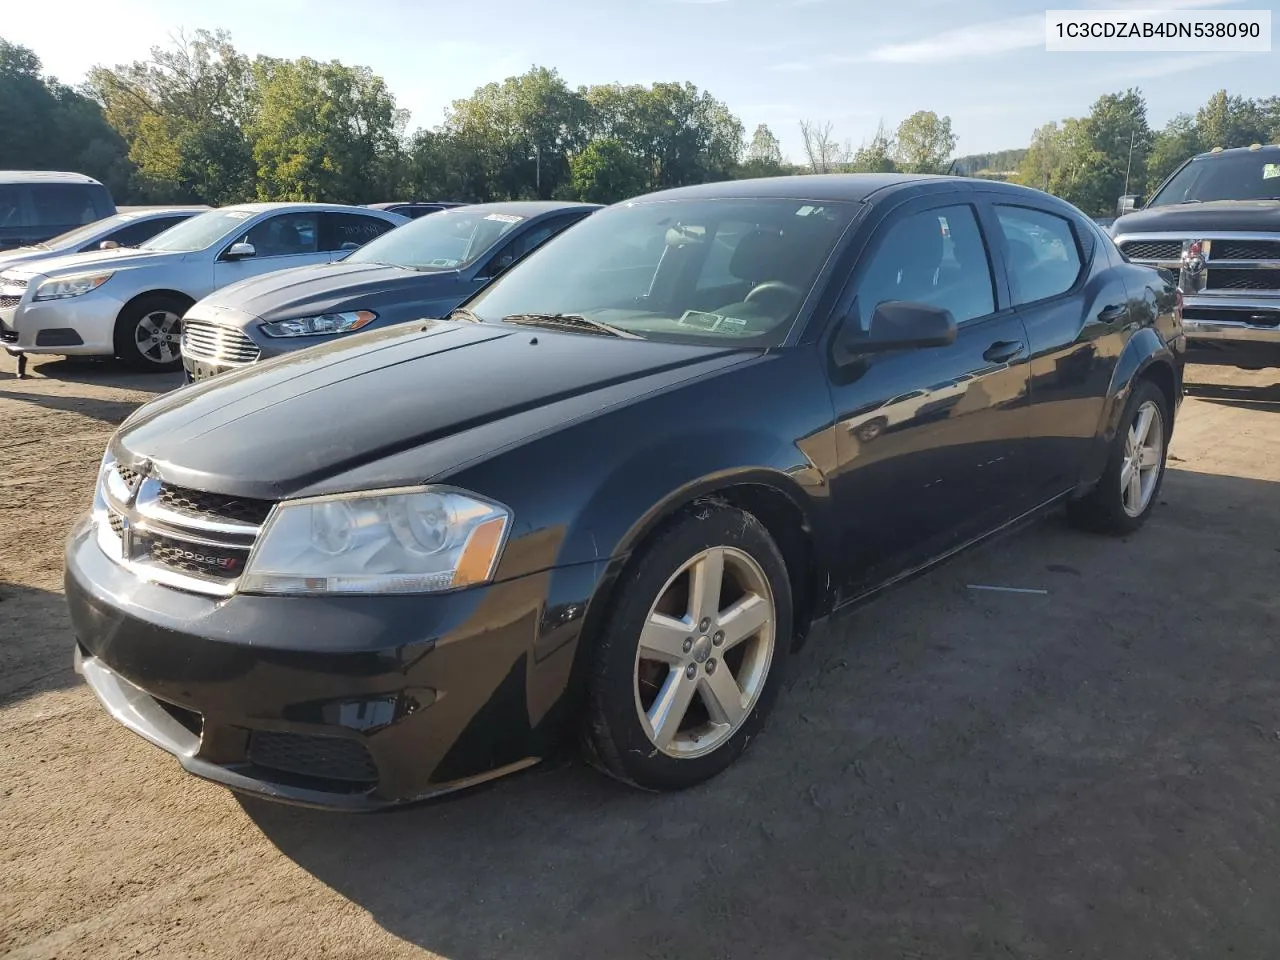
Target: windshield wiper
{"x": 462, "y": 313}
{"x": 571, "y": 321}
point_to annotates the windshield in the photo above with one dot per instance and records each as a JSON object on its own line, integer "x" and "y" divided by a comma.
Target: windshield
{"x": 82, "y": 234}
{"x": 201, "y": 231}
{"x": 1224, "y": 176}
{"x": 439, "y": 241}
{"x": 704, "y": 271}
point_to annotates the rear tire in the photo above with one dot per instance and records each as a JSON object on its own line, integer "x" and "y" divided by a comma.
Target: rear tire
{"x": 147, "y": 334}
{"x": 691, "y": 656}
{"x": 1130, "y": 485}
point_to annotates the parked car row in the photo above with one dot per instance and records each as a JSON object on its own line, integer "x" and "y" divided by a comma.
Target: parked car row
{"x": 603, "y": 499}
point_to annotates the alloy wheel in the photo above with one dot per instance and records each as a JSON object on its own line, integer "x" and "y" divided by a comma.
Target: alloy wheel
{"x": 1143, "y": 455}
{"x": 704, "y": 652}
{"x": 157, "y": 336}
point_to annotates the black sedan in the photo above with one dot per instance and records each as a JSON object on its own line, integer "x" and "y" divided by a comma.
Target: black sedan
{"x": 610, "y": 494}
{"x": 423, "y": 270}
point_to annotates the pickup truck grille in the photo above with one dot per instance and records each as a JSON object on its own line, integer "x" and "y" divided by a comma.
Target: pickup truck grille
{"x": 1227, "y": 278}
{"x": 1246, "y": 249}
{"x": 184, "y": 538}
{"x": 7, "y": 302}
{"x": 1165, "y": 250}
{"x": 202, "y": 340}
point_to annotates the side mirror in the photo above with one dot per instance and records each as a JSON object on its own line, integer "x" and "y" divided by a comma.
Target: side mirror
{"x": 240, "y": 251}
{"x": 348, "y": 246}
{"x": 900, "y": 325}
{"x": 108, "y": 245}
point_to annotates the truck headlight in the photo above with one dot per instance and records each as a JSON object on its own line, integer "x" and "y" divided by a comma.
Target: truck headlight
{"x": 62, "y": 288}
{"x": 410, "y": 540}
{"x": 318, "y": 326}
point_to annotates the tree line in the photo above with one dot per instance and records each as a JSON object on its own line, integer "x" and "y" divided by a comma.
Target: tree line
{"x": 199, "y": 121}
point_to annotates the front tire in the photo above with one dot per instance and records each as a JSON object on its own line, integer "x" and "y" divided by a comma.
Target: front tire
{"x": 1130, "y": 485}
{"x": 690, "y": 658}
{"x": 147, "y": 334}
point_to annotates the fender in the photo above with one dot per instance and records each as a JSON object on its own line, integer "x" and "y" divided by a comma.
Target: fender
{"x": 1144, "y": 350}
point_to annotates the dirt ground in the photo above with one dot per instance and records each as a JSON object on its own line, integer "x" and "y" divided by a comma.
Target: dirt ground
{"x": 1094, "y": 772}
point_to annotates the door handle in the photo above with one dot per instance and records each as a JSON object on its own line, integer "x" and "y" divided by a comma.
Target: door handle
{"x": 1002, "y": 351}
{"x": 1112, "y": 312}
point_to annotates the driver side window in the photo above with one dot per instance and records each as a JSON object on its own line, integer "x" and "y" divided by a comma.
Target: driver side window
{"x": 287, "y": 235}
{"x": 936, "y": 257}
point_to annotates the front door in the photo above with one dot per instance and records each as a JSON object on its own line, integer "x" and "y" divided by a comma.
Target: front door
{"x": 279, "y": 242}
{"x": 931, "y": 442}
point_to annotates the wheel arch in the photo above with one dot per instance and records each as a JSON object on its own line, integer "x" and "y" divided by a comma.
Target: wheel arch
{"x": 160, "y": 292}
{"x": 776, "y": 500}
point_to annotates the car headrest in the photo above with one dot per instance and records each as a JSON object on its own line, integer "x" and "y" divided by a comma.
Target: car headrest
{"x": 761, "y": 255}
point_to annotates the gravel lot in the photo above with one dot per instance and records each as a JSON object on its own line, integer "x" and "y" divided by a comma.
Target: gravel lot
{"x": 1091, "y": 773}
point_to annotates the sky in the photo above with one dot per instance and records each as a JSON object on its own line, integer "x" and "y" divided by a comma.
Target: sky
{"x": 853, "y": 63}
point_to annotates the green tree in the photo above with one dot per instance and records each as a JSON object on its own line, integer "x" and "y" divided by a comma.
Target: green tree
{"x": 324, "y": 131}
{"x": 605, "y": 171}
{"x": 183, "y": 113}
{"x": 1177, "y": 142}
{"x": 877, "y": 154}
{"x": 924, "y": 142}
{"x": 47, "y": 125}
{"x": 1227, "y": 121}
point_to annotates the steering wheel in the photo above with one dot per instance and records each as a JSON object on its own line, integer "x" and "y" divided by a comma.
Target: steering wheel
{"x": 770, "y": 286}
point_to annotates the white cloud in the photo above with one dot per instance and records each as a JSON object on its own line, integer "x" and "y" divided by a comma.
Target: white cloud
{"x": 977, "y": 40}
{"x": 1165, "y": 66}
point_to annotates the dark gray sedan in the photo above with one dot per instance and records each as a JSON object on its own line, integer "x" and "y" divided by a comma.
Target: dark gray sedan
{"x": 423, "y": 269}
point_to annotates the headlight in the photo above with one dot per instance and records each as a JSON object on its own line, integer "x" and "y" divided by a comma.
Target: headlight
{"x": 63, "y": 287}
{"x": 415, "y": 540}
{"x": 321, "y": 325}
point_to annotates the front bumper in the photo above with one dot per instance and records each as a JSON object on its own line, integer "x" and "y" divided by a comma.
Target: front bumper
{"x": 1235, "y": 331}
{"x": 77, "y": 326}
{"x": 350, "y": 703}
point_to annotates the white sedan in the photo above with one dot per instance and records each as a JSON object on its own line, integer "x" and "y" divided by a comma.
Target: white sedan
{"x": 129, "y": 303}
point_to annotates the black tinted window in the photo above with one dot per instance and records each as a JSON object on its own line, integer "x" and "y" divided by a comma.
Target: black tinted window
{"x": 11, "y": 214}
{"x": 1044, "y": 257}
{"x": 63, "y": 204}
{"x": 286, "y": 235}
{"x": 1225, "y": 176}
{"x": 350, "y": 231}
{"x": 133, "y": 234}
{"x": 536, "y": 237}
{"x": 936, "y": 257}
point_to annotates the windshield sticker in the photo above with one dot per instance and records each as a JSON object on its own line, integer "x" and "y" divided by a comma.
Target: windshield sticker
{"x": 504, "y": 217}
{"x": 1270, "y": 171}
{"x": 710, "y": 321}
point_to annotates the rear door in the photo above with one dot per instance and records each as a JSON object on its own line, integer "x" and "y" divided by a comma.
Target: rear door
{"x": 1076, "y": 310}
{"x": 340, "y": 233}
{"x": 931, "y": 442}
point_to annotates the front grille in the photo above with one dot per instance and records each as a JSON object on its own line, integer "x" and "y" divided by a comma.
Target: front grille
{"x": 6, "y": 302}
{"x": 200, "y": 559}
{"x": 202, "y": 340}
{"x": 1221, "y": 278}
{"x": 215, "y": 504}
{"x": 188, "y": 539}
{"x": 1167, "y": 250}
{"x": 13, "y": 282}
{"x": 1246, "y": 249}
{"x": 324, "y": 758}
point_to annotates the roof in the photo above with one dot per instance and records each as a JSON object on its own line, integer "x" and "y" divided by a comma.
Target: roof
{"x": 824, "y": 187}
{"x": 43, "y": 176}
{"x": 161, "y": 209}
{"x": 301, "y": 206}
{"x": 1270, "y": 147}
{"x": 527, "y": 208}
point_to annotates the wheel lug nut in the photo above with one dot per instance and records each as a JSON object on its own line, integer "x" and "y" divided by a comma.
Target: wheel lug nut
{"x": 688, "y": 644}
{"x": 691, "y": 671}
{"x": 718, "y": 638}
{"x": 706, "y": 622}
{"x": 711, "y": 666}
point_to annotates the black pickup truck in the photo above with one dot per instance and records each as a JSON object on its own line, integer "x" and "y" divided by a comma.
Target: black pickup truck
{"x": 1216, "y": 220}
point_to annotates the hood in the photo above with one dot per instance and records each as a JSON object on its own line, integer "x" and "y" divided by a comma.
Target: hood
{"x": 10, "y": 259}
{"x": 94, "y": 260}
{"x": 1206, "y": 218}
{"x": 327, "y": 288}
{"x": 275, "y": 428}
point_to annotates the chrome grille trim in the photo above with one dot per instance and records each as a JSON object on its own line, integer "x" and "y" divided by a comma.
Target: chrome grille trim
{"x": 202, "y": 340}
{"x": 1226, "y": 274}
{"x": 134, "y": 527}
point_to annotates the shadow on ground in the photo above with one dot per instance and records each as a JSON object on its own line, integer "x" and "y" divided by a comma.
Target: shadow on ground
{"x": 1244, "y": 396}
{"x": 35, "y": 642}
{"x": 1091, "y": 772}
